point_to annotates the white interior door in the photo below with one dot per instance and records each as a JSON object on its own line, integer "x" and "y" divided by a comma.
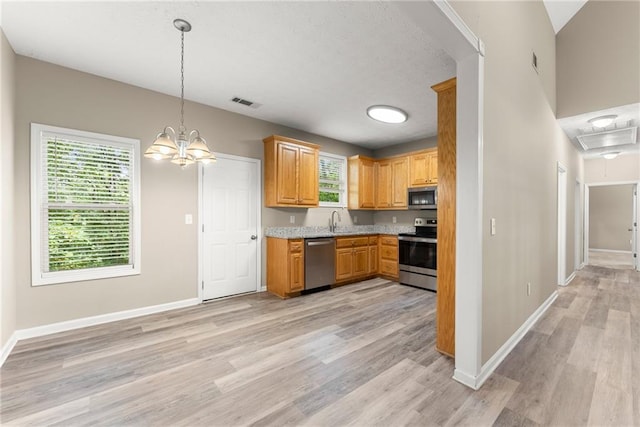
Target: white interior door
{"x": 230, "y": 237}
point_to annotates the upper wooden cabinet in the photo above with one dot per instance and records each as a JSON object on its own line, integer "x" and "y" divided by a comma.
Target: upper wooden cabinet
{"x": 291, "y": 172}
{"x": 392, "y": 183}
{"x": 423, "y": 168}
{"x": 362, "y": 176}
{"x": 378, "y": 184}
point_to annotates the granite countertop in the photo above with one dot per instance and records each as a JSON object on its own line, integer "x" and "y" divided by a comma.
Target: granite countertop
{"x": 355, "y": 230}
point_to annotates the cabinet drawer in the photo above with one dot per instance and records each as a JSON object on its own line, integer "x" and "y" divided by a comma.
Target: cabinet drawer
{"x": 389, "y": 268}
{"x": 295, "y": 245}
{"x": 389, "y": 252}
{"x": 373, "y": 240}
{"x": 389, "y": 241}
{"x": 344, "y": 242}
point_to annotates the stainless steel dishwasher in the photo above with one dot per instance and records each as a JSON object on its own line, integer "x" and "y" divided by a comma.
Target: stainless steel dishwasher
{"x": 319, "y": 262}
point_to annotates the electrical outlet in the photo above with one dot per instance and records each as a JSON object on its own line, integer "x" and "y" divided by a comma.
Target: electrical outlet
{"x": 493, "y": 226}
{"x": 528, "y": 289}
{"x": 292, "y": 219}
{"x": 355, "y": 219}
{"x": 394, "y": 219}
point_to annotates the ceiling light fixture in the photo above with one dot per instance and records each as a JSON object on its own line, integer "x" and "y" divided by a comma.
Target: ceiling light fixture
{"x": 603, "y": 121}
{"x": 610, "y": 155}
{"x": 181, "y": 147}
{"x": 386, "y": 114}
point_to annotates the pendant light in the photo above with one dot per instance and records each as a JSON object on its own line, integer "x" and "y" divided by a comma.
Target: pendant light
{"x": 180, "y": 147}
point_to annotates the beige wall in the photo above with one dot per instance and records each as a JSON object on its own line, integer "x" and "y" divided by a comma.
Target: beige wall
{"x": 610, "y": 217}
{"x": 58, "y": 96}
{"x": 623, "y": 168}
{"x": 407, "y": 147}
{"x": 7, "y": 270}
{"x": 598, "y": 58}
{"x": 522, "y": 145}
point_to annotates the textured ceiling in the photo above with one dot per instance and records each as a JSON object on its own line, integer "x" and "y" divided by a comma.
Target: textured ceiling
{"x": 314, "y": 66}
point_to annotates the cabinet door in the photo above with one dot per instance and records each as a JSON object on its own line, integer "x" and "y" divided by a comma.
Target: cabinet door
{"x": 433, "y": 168}
{"x": 400, "y": 175}
{"x": 361, "y": 261}
{"x": 308, "y": 177}
{"x": 296, "y": 272}
{"x": 423, "y": 169}
{"x": 373, "y": 259}
{"x": 366, "y": 184}
{"x": 344, "y": 264}
{"x": 287, "y": 169}
{"x": 383, "y": 184}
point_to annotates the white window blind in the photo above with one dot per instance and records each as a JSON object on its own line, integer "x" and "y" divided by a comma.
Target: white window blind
{"x": 332, "y": 180}
{"x": 86, "y": 202}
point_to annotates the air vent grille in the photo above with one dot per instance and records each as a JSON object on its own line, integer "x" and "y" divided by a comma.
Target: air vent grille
{"x": 245, "y": 102}
{"x": 611, "y": 138}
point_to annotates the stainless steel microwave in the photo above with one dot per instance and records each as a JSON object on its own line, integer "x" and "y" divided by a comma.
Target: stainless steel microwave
{"x": 423, "y": 197}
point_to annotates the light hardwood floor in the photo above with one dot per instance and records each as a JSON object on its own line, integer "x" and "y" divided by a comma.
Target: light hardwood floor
{"x": 361, "y": 354}
{"x": 622, "y": 261}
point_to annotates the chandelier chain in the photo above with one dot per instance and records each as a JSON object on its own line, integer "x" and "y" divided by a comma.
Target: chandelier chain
{"x": 182, "y": 128}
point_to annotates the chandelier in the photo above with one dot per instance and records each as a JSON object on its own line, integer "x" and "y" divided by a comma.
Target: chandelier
{"x": 182, "y": 147}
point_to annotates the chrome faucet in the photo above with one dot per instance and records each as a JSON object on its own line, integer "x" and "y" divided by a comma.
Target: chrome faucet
{"x": 332, "y": 224}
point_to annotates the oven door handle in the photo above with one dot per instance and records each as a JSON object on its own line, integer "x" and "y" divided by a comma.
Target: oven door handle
{"x": 417, "y": 239}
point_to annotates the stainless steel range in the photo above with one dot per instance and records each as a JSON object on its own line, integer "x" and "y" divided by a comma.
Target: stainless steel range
{"x": 418, "y": 255}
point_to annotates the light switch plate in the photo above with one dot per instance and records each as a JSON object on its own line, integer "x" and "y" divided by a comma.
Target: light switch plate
{"x": 188, "y": 219}
{"x": 493, "y": 226}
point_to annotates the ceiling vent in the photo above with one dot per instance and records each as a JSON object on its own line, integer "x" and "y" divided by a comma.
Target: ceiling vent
{"x": 609, "y": 138}
{"x": 245, "y": 102}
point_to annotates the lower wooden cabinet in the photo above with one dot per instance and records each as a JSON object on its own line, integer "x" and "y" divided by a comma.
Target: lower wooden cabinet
{"x": 285, "y": 266}
{"x": 373, "y": 255}
{"x": 357, "y": 258}
{"x": 352, "y": 258}
{"x": 389, "y": 257}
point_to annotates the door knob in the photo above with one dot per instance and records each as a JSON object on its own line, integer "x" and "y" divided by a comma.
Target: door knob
{"x": 254, "y": 237}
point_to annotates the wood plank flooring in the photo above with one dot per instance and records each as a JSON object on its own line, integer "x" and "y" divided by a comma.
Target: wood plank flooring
{"x": 621, "y": 261}
{"x": 361, "y": 355}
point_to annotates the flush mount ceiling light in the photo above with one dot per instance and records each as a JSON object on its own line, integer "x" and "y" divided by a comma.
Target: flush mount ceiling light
{"x": 610, "y": 155}
{"x": 182, "y": 147}
{"x": 386, "y": 114}
{"x": 603, "y": 121}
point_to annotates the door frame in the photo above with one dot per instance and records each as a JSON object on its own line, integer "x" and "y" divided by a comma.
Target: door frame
{"x": 258, "y": 163}
{"x": 636, "y": 211}
{"x": 578, "y": 218}
{"x": 562, "y": 224}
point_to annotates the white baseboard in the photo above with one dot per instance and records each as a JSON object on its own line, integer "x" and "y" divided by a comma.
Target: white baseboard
{"x": 491, "y": 365}
{"x": 68, "y": 325}
{"x": 7, "y": 347}
{"x": 612, "y": 251}
{"x": 570, "y": 278}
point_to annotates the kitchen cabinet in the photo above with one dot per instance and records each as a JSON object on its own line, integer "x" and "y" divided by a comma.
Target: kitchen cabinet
{"x": 423, "y": 168}
{"x": 446, "y": 256}
{"x": 285, "y": 266}
{"x": 391, "y": 180}
{"x": 352, "y": 258}
{"x": 389, "y": 257}
{"x": 291, "y": 172}
{"x": 361, "y": 179}
{"x": 373, "y": 255}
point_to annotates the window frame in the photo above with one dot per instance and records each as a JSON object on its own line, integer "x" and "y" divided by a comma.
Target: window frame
{"x": 38, "y": 276}
{"x": 342, "y": 192}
